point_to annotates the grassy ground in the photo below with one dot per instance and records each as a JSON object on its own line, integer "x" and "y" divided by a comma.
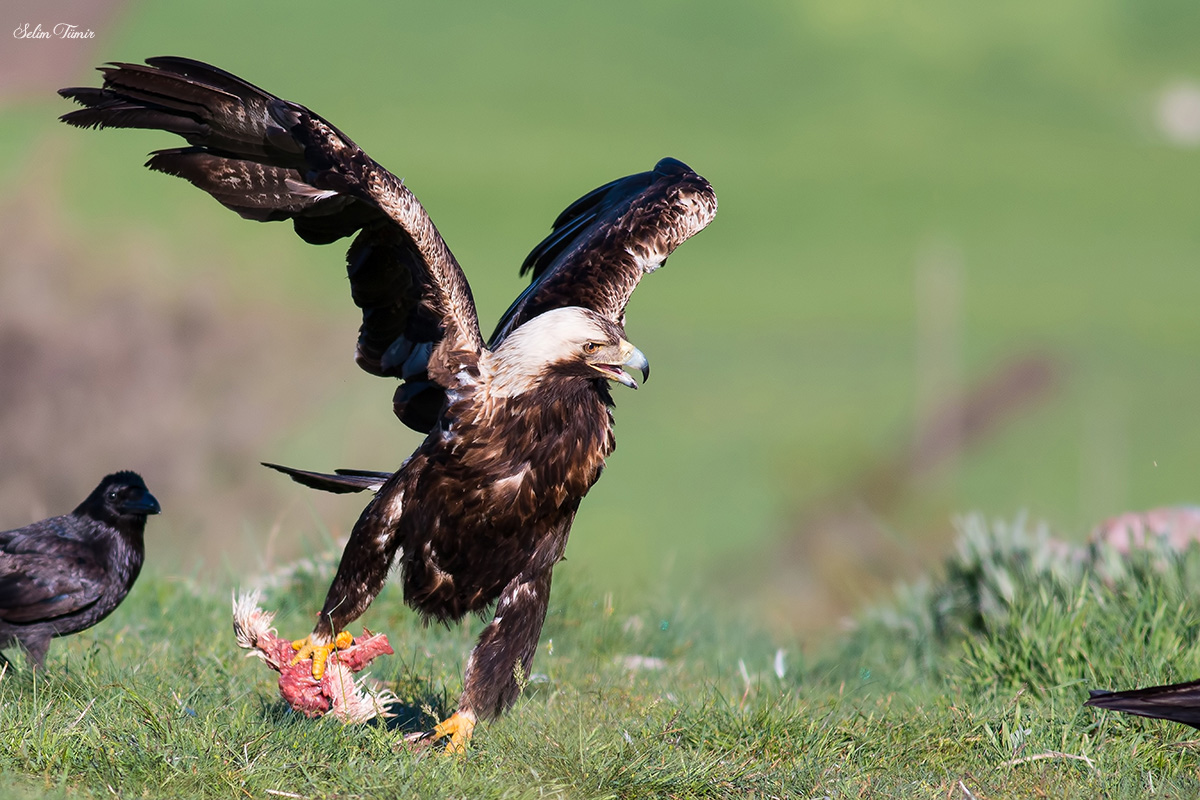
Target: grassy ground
{"x": 966, "y": 685}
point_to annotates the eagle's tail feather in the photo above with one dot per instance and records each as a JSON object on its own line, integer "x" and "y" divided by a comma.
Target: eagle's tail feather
{"x": 343, "y": 481}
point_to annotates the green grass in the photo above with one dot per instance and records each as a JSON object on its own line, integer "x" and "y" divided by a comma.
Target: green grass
{"x": 975, "y": 676}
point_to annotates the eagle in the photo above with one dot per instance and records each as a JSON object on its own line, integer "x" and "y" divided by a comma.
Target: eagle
{"x": 517, "y": 427}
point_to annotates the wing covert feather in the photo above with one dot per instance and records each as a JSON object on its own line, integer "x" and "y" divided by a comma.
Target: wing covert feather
{"x": 46, "y": 574}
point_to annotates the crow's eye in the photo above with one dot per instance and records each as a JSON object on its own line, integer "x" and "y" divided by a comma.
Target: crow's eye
{"x": 113, "y": 494}
{"x": 591, "y": 347}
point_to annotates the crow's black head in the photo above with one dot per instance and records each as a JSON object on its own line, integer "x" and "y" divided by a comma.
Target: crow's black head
{"x": 120, "y": 497}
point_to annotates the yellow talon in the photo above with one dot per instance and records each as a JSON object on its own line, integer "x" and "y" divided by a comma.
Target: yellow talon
{"x": 319, "y": 653}
{"x": 459, "y": 727}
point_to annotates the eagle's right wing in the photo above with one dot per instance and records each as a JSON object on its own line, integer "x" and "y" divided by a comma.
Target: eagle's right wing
{"x": 270, "y": 159}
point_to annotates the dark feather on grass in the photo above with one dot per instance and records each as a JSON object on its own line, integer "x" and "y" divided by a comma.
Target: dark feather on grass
{"x": 1177, "y": 702}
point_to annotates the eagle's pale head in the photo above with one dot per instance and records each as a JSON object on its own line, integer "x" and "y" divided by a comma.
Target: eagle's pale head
{"x": 567, "y": 342}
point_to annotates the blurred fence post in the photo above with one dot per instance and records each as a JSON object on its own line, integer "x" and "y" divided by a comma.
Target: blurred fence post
{"x": 939, "y": 285}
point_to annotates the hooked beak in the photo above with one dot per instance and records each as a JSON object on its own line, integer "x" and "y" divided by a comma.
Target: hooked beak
{"x": 635, "y": 359}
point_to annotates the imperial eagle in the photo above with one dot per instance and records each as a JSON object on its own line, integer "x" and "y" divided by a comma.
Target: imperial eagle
{"x": 517, "y": 427}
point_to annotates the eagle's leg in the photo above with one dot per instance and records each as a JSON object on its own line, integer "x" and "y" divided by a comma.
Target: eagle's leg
{"x": 360, "y": 577}
{"x": 502, "y": 659}
{"x": 458, "y": 726}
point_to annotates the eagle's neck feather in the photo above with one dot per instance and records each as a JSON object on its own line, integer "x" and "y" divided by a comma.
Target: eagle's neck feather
{"x": 523, "y": 360}
{"x": 510, "y": 373}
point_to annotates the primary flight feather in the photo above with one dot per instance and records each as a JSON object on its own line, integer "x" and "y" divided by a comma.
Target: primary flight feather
{"x": 517, "y": 428}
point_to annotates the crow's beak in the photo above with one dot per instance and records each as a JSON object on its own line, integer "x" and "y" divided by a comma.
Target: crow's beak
{"x": 146, "y": 504}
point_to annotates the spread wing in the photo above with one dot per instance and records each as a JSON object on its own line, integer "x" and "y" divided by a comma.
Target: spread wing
{"x": 270, "y": 159}
{"x": 45, "y": 575}
{"x": 605, "y": 241}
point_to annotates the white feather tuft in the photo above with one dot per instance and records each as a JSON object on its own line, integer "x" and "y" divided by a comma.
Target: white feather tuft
{"x": 250, "y": 622}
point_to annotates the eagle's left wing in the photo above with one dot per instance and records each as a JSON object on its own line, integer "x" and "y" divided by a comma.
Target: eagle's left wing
{"x": 605, "y": 241}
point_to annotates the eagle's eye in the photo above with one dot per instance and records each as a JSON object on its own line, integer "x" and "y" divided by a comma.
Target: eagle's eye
{"x": 591, "y": 347}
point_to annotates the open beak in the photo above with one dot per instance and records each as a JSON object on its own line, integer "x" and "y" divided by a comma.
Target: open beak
{"x": 634, "y": 359}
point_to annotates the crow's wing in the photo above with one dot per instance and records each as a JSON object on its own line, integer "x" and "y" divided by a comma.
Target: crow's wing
{"x": 45, "y": 575}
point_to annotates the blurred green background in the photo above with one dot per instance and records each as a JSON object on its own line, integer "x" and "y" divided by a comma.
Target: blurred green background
{"x": 914, "y": 198}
